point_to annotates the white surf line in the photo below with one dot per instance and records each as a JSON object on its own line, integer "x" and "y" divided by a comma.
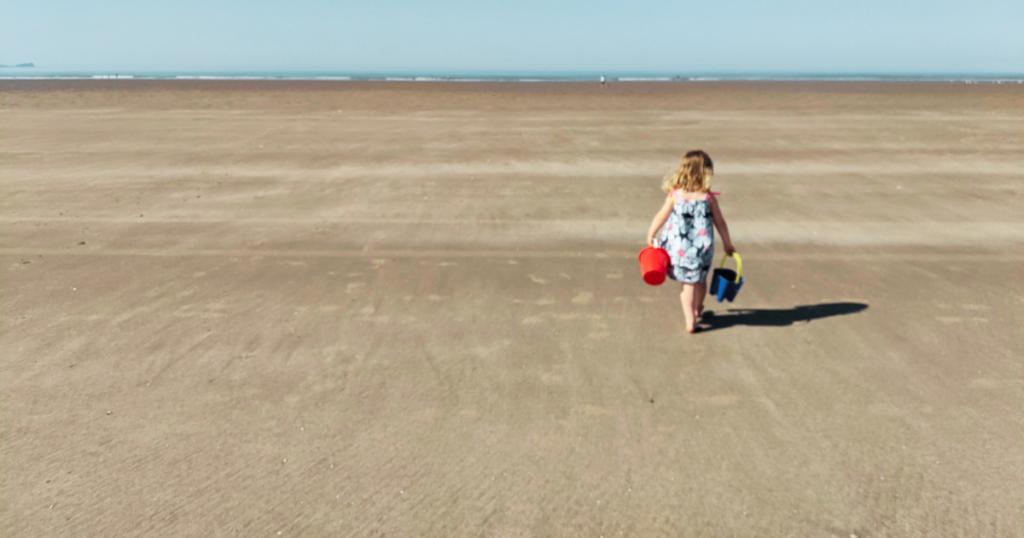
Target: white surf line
{"x": 824, "y": 257}
{"x": 318, "y": 221}
{"x": 814, "y": 168}
{"x": 631, "y": 224}
{"x": 253, "y": 137}
{"x": 538, "y": 231}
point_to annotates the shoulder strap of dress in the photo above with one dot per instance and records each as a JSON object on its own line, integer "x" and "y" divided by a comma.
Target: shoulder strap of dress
{"x": 712, "y": 194}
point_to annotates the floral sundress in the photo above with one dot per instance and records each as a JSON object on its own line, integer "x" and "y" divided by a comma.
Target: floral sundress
{"x": 689, "y": 239}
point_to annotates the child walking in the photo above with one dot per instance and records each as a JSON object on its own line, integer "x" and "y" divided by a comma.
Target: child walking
{"x": 690, "y": 209}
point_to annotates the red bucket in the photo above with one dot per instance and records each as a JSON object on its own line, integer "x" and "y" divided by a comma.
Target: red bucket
{"x": 654, "y": 265}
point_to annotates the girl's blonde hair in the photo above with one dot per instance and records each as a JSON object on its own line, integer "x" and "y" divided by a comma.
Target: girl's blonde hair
{"x": 693, "y": 174}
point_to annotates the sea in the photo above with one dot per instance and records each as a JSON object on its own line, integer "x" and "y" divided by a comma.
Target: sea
{"x": 43, "y": 73}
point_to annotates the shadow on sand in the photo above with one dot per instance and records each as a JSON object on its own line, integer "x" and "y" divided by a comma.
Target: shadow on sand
{"x": 777, "y": 318}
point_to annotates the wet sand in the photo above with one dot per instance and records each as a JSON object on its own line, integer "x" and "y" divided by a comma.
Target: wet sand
{"x": 370, "y": 309}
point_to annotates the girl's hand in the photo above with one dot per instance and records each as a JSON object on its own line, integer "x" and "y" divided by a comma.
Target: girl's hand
{"x": 650, "y": 240}
{"x": 729, "y": 249}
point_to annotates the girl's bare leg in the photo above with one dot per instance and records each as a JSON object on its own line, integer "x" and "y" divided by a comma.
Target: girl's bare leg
{"x": 686, "y": 298}
{"x": 700, "y": 292}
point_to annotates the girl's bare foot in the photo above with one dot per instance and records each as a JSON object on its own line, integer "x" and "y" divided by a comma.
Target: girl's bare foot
{"x": 691, "y": 325}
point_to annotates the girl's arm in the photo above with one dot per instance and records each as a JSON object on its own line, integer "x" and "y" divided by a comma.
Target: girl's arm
{"x": 659, "y": 219}
{"x": 723, "y": 228}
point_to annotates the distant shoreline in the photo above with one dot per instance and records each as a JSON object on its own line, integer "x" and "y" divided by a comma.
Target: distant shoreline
{"x": 312, "y": 76}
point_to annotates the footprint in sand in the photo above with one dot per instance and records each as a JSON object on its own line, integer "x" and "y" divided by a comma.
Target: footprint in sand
{"x": 957, "y": 319}
{"x": 538, "y": 280}
{"x": 593, "y": 410}
{"x": 427, "y": 414}
{"x": 989, "y": 383}
{"x": 583, "y": 297}
{"x": 720, "y": 400}
{"x": 549, "y": 378}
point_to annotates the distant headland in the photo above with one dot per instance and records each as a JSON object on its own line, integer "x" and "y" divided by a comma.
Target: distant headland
{"x": 30, "y": 64}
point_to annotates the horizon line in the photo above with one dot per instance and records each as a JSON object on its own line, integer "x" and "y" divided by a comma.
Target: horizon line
{"x": 437, "y": 72}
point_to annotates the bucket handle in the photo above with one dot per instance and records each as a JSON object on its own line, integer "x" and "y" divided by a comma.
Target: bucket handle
{"x": 739, "y": 265}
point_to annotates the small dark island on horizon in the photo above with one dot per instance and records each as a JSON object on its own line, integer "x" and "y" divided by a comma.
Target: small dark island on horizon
{"x": 29, "y": 64}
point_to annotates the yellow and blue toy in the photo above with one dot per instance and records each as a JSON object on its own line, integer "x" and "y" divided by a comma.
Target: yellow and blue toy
{"x": 726, "y": 283}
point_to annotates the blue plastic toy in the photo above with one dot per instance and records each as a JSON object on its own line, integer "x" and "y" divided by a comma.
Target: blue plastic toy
{"x": 726, "y": 283}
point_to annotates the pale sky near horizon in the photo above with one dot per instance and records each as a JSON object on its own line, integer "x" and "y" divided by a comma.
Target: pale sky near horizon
{"x": 807, "y": 36}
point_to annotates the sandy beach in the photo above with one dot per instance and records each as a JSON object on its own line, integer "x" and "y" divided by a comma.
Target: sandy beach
{"x": 414, "y": 309}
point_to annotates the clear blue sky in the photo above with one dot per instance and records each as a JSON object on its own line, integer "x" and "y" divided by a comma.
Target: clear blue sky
{"x": 879, "y": 36}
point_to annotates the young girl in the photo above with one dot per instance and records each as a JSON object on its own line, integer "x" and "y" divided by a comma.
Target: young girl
{"x": 690, "y": 208}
